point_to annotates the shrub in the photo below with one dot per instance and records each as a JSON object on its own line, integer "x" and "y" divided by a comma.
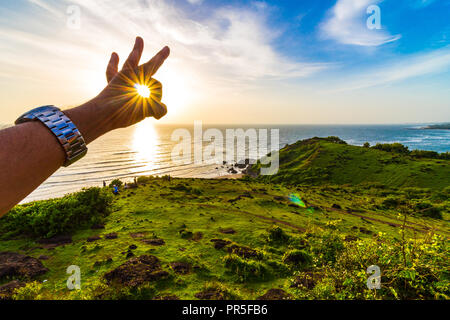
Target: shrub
{"x": 144, "y": 179}
{"x": 444, "y": 156}
{"x": 58, "y": 216}
{"x": 392, "y": 147}
{"x": 329, "y": 247}
{"x": 335, "y": 140}
{"x": 245, "y": 269}
{"x": 116, "y": 182}
{"x": 415, "y": 193}
{"x": 366, "y": 145}
{"x": 277, "y": 235}
{"x": 391, "y": 202}
{"x": 298, "y": 258}
{"x": 428, "y": 210}
{"x": 424, "y": 154}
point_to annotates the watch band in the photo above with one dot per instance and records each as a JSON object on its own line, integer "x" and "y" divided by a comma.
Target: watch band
{"x": 62, "y": 127}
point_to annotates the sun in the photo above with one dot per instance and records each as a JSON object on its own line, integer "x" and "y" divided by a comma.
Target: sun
{"x": 142, "y": 90}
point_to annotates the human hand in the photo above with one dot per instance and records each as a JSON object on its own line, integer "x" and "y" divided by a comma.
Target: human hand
{"x": 120, "y": 101}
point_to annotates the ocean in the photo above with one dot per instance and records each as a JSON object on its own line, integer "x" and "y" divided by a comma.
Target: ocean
{"x": 146, "y": 148}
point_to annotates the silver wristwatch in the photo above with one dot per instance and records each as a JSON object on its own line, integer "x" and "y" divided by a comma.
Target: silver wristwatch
{"x": 62, "y": 127}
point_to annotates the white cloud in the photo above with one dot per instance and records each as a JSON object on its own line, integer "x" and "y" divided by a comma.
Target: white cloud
{"x": 47, "y": 7}
{"x": 232, "y": 44}
{"x": 226, "y": 55}
{"x": 422, "y": 3}
{"x": 414, "y": 66}
{"x": 195, "y": 1}
{"x": 346, "y": 23}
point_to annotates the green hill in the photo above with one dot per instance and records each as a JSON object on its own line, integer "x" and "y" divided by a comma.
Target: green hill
{"x": 310, "y": 238}
{"x": 320, "y": 161}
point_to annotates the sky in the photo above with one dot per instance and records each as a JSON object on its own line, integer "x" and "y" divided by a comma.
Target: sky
{"x": 241, "y": 62}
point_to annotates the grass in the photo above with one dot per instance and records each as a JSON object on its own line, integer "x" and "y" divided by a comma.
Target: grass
{"x": 321, "y": 251}
{"x": 320, "y": 161}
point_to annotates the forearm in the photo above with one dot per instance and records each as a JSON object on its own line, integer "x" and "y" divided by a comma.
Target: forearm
{"x": 30, "y": 153}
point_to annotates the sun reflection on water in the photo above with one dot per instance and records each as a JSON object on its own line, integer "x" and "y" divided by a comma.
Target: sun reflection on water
{"x": 145, "y": 144}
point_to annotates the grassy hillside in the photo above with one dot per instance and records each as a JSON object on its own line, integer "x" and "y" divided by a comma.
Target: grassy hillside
{"x": 239, "y": 239}
{"x": 311, "y": 238}
{"x": 330, "y": 161}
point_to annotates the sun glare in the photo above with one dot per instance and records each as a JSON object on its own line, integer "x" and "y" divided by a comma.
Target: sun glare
{"x": 145, "y": 142}
{"x": 143, "y": 90}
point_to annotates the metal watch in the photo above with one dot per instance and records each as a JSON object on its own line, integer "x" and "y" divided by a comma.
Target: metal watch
{"x": 62, "y": 127}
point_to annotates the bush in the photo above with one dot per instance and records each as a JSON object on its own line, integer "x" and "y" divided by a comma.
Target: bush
{"x": 392, "y": 147}
{"x": 335, "y": 140}
{"x": 116, "y": 182}
{"x": 428, "y": 210}
{"x": 245, "y": 269}
{"x": 277, "y": 236}
{"x": 58, "y": 216}
{"x": 366, "y": 145}
{"x": 329, "y": 247}
{"x": 144, "y": 179}
{"x": 424, "y": 154}
{"x": 298, "y": 258}
{"x": 391, "y": 202}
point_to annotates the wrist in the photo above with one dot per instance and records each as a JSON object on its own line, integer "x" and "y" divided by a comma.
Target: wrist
{"x": 90, "y": 120}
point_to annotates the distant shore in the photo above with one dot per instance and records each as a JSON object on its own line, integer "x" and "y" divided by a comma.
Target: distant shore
{"x": 445, "y": 126}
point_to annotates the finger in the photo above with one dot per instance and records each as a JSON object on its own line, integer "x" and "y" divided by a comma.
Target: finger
{"x": 135, "y": 55}
{"x": 153, "y": 65}
{"x": 159, "y": 109}
{"x": 113, "y": 67}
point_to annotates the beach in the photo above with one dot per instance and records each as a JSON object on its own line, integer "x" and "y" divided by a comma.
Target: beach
{"x": 145, "y": 149}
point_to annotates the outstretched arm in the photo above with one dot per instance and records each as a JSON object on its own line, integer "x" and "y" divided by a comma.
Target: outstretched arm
{"x": 29, "y": 152}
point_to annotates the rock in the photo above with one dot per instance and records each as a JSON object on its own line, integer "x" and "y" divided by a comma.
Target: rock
{"x": 18, "y": 265}
{"x": 279, "y": 198}
{"x": 137, "y": 271}
{"x": 240, "y": 165}
{"x": 243, "y": 252}
{"x": 307, "y": 280}
{"x": 350, "y": 238}
{"x": 336, "y": 206}
{"x": 137, "y": 235}
{"x": 365, "y": 231}
{"x": 299, "y": 258}
{"x": 227, "y": 231}
{"x": 8, "y": 290}
{"x": 111, "y": 236}
{"x": 93, "y": 238}
{"x": 232, "y": 171}
{"x": 210, "y": 294}
{"x": 132, "y": 247}
{"x": 276, "y": 294}
{"x": 129, "y": 254}
{"x": 220, "y": 243}
{"x": 55, "y": 241}
{"x": 154, "y": 242}
{"x": 197, "y": 236}
{"x": 167, "y": 298}
{"x": 42, "y": 257}
{"x": 181, "y": 267}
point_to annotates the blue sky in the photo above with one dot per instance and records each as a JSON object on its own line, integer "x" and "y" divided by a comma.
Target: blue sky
{"x": 265, "y": 61}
